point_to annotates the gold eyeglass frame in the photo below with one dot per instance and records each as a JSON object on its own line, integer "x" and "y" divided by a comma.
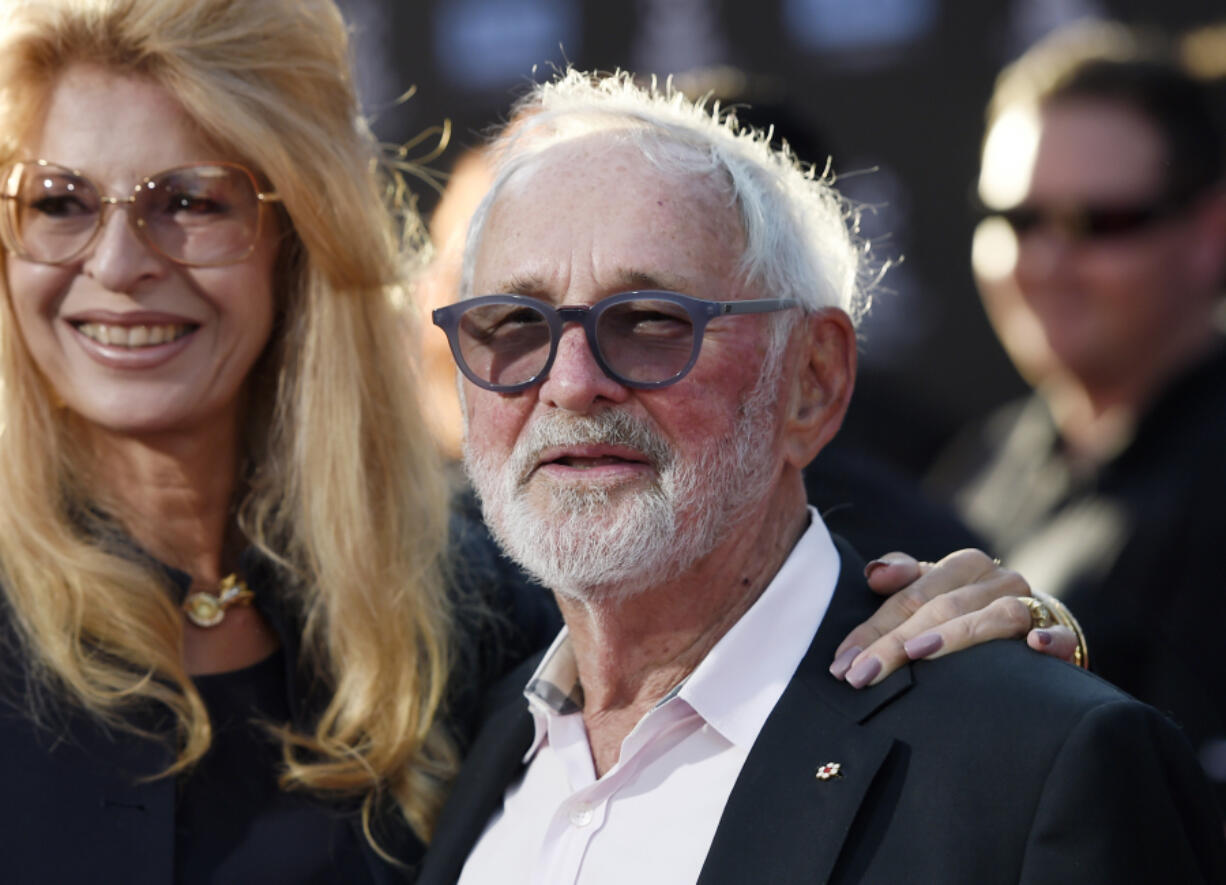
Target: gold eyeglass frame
{"x": 13, "y": 242}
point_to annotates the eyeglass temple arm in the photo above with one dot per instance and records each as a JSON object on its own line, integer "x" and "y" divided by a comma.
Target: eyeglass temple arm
{"x": 757, "y": 305}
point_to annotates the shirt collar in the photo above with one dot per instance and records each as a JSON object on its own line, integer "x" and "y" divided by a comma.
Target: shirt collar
{"x": 553, "y": 690}
{"x": 555, "y": 684}
{"x": 738, "y": 683}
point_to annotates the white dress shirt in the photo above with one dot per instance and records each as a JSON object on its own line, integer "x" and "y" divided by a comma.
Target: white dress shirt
{"x": 652, "y": 816}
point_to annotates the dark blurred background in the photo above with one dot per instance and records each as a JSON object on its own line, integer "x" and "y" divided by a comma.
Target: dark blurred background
{"x": 893, "y": 90}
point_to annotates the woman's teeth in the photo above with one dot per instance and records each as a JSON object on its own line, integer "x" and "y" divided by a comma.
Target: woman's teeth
{"x": 133, "y": 336}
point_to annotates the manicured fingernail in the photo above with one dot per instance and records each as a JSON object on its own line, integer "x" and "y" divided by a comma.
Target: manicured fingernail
{"x": 1042, "y": 637}
{"x": 839, "y": 668}
{"x": 873, "y": 566}
{"x": 923, "y": 645}
{"x": 863, "y": 673}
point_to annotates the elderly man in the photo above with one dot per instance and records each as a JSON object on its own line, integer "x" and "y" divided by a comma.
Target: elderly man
{"x": 673, "y": 342}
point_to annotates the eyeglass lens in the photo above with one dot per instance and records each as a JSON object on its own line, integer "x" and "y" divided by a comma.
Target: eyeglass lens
{"x": 204, "y": 214}
{"x": 643, "y": 340}
{"x": 504, "y": 343}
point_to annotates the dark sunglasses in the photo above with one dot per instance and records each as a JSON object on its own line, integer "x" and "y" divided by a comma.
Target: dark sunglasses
{"x": 646, "y": 340}
{"x": 1081, "y": 223}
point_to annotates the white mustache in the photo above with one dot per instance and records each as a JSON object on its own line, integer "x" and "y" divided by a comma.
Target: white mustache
{"x": 612, "y": 428}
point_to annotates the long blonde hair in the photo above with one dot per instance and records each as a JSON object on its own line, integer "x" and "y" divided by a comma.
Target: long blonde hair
{"x": 340, "y": 485}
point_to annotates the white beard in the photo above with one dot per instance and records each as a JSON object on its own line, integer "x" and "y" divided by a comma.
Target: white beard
{"x": 595, "y": 543}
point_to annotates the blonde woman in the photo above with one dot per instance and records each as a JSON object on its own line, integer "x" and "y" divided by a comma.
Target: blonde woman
{"x": 222, "y": 523}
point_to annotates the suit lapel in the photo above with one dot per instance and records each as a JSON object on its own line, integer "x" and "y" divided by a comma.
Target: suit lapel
{"x": 491, "y": 765}
{"x": 780, "y": 815}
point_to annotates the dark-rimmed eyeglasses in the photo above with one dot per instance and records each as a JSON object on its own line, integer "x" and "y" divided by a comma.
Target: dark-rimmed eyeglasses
{"x": 645, "y": 340}
{"x": 1086, "y": 223}
{"x": 200, "y": 214}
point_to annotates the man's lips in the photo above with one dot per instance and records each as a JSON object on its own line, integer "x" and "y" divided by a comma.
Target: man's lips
{"x": 594, "y": 456}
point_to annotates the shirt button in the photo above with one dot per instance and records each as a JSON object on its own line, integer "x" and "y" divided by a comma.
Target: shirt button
{"x": 581, "y": 815}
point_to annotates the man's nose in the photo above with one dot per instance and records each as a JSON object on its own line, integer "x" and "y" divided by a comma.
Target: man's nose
{"x": 1042, "y": 253}
{"x": 576, "y": 382}
{"x": 119, "y": 257}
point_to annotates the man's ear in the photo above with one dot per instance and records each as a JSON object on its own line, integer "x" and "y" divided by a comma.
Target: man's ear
{"x": 822, "y": 372}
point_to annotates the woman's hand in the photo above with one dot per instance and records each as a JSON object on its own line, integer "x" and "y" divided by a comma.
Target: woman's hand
{"x": 934, "y": 609}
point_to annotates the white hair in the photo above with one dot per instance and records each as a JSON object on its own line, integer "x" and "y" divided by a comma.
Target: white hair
{"x": 800, "y": 233}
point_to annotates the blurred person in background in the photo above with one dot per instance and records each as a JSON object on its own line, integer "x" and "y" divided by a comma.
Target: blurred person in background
{"x": 1101, "y": 267}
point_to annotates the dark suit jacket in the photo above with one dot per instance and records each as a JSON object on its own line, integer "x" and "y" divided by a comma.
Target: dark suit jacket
{"x": 77, "y": 802}
{"x": 993, "y": 765}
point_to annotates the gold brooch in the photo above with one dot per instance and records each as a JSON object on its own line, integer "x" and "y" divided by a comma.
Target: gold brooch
{"x": 208, "y": 609}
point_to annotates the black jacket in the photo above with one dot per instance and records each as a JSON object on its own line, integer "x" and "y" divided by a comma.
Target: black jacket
{"x": 993, "y": 765}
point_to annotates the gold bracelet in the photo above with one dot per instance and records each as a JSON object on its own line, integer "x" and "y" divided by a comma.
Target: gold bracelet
{"x": 1064, "y": 617}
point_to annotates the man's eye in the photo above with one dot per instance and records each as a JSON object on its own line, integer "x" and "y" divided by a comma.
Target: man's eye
{"x": 647, "y": 317}
{"x": 493, "y": 326}
{"x": 523, "y": 316}
{"x": 513, "y": 321}
{"x": 651, "y": 323}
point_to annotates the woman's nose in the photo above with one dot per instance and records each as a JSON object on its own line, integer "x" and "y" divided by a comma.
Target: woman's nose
{"x": 119, "y": 257}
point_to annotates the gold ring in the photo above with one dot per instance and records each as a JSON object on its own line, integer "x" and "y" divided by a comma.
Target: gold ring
{"x": 1040, "y": 615}
{"x": 1060, "y": 612}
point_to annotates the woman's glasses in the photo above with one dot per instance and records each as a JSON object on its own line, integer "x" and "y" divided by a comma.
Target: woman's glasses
{"x": 200, "y": 215}
{"x": 644, "y": 339}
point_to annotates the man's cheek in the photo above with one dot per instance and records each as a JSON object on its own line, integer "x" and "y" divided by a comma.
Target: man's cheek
{"x": 490, "y": 428}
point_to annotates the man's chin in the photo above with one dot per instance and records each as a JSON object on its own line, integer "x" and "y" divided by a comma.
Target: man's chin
{"x": 586, "y": 541}
{"x": 579, "y": 493}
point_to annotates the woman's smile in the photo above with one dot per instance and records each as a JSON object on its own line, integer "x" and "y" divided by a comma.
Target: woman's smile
{"x": 139, "y": 336}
